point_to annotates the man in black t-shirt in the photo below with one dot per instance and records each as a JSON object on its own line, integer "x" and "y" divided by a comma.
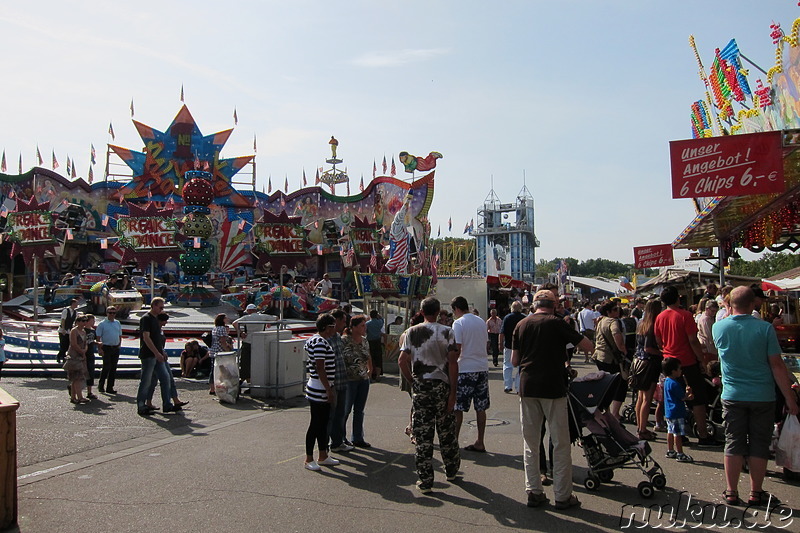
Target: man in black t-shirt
{"x": 151, "y": 352}
{"x": 506, "y": 333}
{"x": 539, "y": 350}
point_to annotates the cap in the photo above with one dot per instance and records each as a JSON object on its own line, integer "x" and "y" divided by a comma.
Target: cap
{"x": 251, "y": 307}
{"x": 543, "y": 295}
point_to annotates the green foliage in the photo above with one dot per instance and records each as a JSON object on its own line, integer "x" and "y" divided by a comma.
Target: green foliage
{"x": 768, "y": 265}
{"x": 590, "y": 268}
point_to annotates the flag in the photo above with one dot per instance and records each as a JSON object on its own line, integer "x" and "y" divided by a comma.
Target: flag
{"x": 286, "y": 183}
{"x": 348, "y": 188}
{"x": 241, "y": 224}
{"x": 4, "y": 212}
{"x": 434, "y": 266}
{"x": 69, "y": 167}
{"x": 316, "y": 180}
{"x": 20, "y": 163}
{"x": 254, "y": 144}
{"x": 394, "y": 168}
{"x": 3, "y": 167}
{"x": 38, "y": 155}
{"x": 384, "y": 165}
{"x": 319, "y": 249}
{"x": 69, "y": 234}
{"x": 104, "y": 244}
{"x": 149, "y": 194}
{"x": 111, "y": 131}
{"x": 74, "y": 170}
{"x": 55, "y": 162}
{"x": 131, "y": 106}
{"x": 361, "y": 185}
{"x": 93, "y": 155}
{"x": 439, "y": 234}
{"x": 450, "y": 224}
{"x": 91, "y": 175}
{"x": 374, "y": 169}
{"x": 373, "y": 260}
{"x": 104, "y": 220}
{"x": 269, "y": 189}
{"x": 466, "y": 227}
{"x": 196, "y": 242}
{"x": 235, "y": 117}
{"x": 304, "y": 178}
{"x": 181, "y": 92}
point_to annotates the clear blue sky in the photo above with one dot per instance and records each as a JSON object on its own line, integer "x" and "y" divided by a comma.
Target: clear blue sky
{"x": 583, "y": 96}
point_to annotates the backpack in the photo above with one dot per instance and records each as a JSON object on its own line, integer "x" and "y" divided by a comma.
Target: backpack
{"x": 207, "y": 338}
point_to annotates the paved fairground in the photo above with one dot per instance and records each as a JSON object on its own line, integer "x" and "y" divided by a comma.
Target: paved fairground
{"x": 102, "y": 468}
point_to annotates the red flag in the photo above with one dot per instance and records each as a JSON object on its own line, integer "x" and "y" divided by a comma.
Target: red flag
{"x": 38, "y": 155}
{"x": 374, "y": 169}
{"x": 394, "y": 168}
{"x": 384, "y": 165}
{"x": 373, "y": 260}
{"x": 55, "y": 162}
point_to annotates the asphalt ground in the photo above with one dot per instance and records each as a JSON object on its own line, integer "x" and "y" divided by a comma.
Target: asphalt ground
{"x": 239, "y": 467}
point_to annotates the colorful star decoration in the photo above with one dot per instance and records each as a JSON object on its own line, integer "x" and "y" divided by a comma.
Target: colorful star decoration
{"x": 159, "y": 170}
{"x": 30, "y": 228}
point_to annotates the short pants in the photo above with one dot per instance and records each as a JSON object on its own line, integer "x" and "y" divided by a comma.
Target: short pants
{"x": 676, "y": 426}
{"x": 473, "y": 387}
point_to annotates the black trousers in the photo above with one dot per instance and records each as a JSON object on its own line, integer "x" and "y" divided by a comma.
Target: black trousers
{"x": 318, "y": 427}
{"x": 90, "y": 365}
{"x": 63, "y": 346}
{"x": 108, "y": 374}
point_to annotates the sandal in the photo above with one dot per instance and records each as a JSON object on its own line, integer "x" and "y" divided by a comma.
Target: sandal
{"x": 646, "y": 435}
{"x": 732, "y": 497}
{"x": 762, "y": 497}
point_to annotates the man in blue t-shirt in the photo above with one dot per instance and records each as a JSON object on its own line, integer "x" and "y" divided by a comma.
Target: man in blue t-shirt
{"x": 375, "y": 338}
{"x": 750, "y": 358}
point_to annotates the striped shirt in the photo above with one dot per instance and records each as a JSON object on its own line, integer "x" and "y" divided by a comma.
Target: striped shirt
{"x": 318, "y": 349}
{"x": 341, "y": 368}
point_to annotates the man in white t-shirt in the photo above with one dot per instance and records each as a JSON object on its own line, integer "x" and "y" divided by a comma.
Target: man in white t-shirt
{"x": 325, "y": 286}
{"x": 587, "y": 319}
{"x": 473, "y": 368}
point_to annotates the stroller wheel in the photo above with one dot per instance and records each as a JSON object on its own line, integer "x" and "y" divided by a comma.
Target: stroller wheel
{"x": 629, "y": 414}
{"x": 645, "y": 489}
{"x": 659, "y": 481}
{"x": 711, "y": 429}
{"x": 606, "y": 475}
{"x": 591, "y": 483}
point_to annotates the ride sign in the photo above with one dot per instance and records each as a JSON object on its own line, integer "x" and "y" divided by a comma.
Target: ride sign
{"x": 31, "y": 227}
{"x": 734, "y": 165}
{"x": 144, "y": 234}
{"x": 657, "y": 255}
{"x": 280, "y": 239}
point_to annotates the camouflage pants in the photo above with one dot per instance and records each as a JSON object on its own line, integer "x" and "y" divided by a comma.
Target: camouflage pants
{"x": 429, "y": 398}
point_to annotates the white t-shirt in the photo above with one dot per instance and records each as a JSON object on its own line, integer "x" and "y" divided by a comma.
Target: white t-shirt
{"x": 586, "y": 319}
{"x": 471, "y": 334}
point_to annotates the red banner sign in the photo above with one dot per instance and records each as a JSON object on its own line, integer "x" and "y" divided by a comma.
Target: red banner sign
{"x": 31, "y": 227}
{"x": 734, "y": 165}
{"x": 657, "y": 255}
{"x": 147, "y": 234}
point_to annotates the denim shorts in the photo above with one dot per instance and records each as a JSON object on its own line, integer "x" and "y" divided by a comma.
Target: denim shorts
{"x": 473, "y": 387}
{"x": 676, "y": 426}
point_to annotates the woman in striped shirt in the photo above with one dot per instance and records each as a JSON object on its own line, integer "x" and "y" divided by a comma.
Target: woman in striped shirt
{"x": 320, "y": 391}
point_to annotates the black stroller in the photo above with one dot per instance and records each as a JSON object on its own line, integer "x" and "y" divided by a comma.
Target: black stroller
{"x": 608, "y": 446}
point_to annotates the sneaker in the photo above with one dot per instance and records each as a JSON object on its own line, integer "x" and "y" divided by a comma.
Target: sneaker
{"x": 342, "y": 448}
{"x": 313, "y": 466}
{"x": 362, "y": 444}
{"x": 707, "y": 442}
{"x": 671, "y": 454}
{"x": 683, "y": 458}
{"x": 546, "y": 481}
{"x": 424, "y": 489}
{"x": 507, "y": 391}
{"x": 660, "y": 428}
{"x": 573, "y": 501}
{"x": 535, "y": 500}
{"x": 452, "y": 478}
{"x": 329, "y": 461}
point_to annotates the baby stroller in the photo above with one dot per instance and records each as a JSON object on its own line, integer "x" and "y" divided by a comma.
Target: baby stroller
{"x": 608, "y": 446}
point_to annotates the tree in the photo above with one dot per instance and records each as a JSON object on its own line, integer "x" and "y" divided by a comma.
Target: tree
{"x": 766, "y": 266}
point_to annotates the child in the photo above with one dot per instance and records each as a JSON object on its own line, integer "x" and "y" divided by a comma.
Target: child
{"x": 675, "y": 392}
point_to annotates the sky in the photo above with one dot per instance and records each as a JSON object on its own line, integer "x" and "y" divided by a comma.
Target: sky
{"x": 576, "y": 99}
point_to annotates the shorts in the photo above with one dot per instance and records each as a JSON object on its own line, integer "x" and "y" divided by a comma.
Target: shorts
{"x": 589, "y": 334}
{"x": 676, "y": 426}
{"x": 695, "y": 380}
{"x": 748, "y": 427}
{"x": 473, "y": 386}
